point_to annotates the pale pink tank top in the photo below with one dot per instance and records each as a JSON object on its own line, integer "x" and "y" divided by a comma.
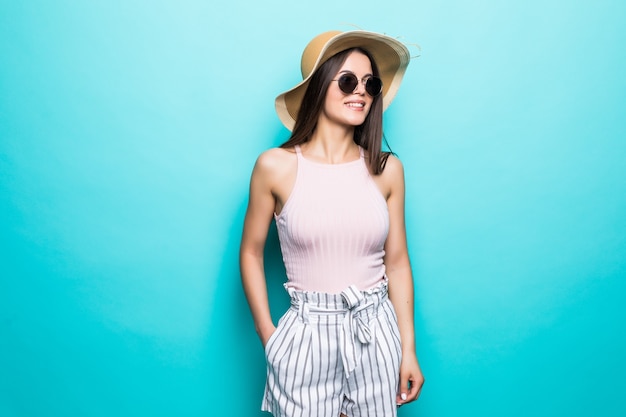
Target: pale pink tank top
{"x": 333, "y": 227}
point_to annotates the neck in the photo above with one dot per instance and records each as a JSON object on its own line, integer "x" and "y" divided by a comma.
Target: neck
{"x": 332, "y": 144}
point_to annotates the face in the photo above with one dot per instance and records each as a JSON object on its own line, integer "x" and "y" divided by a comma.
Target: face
{"x": 349, "y": 109}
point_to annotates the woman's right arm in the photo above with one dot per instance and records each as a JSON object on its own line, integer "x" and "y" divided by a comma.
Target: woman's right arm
{"x": 259, "y": 215}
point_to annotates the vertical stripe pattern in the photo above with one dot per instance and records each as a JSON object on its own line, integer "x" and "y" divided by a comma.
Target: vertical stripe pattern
{"x": 332, "y": 354}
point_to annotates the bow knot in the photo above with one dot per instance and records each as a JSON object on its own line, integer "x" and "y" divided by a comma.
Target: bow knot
{"x": 355, "y": 327}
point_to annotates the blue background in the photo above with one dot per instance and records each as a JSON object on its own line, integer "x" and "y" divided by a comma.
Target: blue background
{"x": 128, "y": 131}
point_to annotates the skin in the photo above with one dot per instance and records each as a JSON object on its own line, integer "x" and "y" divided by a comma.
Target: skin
{"x": 272, "y": 180}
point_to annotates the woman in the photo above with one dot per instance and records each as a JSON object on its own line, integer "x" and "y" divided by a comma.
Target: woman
{"x": 346, "y": 346}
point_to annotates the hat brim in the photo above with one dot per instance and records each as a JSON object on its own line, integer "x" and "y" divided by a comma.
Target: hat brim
{"x": 391, "y": 56}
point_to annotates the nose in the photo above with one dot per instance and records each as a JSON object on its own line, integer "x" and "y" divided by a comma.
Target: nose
{"x": 360, "y": 88}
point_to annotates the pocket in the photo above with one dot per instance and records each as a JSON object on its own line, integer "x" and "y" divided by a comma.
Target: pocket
{"x": 282, "y": 340}
{"x": 280, "y": 329}
{"x": 393, "y": 322}
{"x": 392, "y": 310}
{"x": 271, "y": 339}
{"x": 388, "y": 339}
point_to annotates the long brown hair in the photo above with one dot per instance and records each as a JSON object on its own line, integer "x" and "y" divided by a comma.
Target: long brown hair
{"x": 368, "y": 135}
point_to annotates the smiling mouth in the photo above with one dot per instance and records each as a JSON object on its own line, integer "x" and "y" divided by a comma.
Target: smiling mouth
{"x": 356, "y": 105}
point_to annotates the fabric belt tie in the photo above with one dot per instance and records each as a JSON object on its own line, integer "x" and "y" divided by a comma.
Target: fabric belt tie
{"x": 354, "y": 327}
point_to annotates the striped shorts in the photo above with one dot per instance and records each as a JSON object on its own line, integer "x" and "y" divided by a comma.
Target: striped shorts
{"x": 334, "y": 353}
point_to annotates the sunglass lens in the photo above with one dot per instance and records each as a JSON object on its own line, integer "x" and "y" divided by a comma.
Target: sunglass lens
{"x": 373, "y": 86}
{"x": 347, "y": 83}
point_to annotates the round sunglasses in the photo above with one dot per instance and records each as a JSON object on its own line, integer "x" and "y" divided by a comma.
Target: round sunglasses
{"x": 348, "y": 82}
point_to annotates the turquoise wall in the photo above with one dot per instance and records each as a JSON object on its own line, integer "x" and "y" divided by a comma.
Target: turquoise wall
{"x": 128, "y": 131}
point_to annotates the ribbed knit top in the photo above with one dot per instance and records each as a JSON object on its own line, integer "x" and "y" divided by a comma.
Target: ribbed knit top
{"x": 332, "y": 228}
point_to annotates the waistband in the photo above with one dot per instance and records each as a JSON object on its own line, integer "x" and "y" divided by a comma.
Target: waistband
{"x": 348, "y": 299}
{"x": 353, "y": 307}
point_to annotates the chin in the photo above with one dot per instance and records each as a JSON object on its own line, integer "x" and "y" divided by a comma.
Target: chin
{"x": 355, "y": 123}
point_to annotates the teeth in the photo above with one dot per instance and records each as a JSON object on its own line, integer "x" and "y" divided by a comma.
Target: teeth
{"x": 359, "y": 105}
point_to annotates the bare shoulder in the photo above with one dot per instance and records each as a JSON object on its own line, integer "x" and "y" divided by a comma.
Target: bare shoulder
{"x": 394, "y": 170}
{"x": 275, "y": 161}
{"x": 275, "y": 171}
{"x": 392, "y": 178}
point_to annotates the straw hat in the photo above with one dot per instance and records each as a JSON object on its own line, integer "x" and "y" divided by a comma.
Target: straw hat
{"x": 391, "y": 57}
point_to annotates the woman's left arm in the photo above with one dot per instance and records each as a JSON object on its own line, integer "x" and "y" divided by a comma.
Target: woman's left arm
{"x": 398, "y": 268}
